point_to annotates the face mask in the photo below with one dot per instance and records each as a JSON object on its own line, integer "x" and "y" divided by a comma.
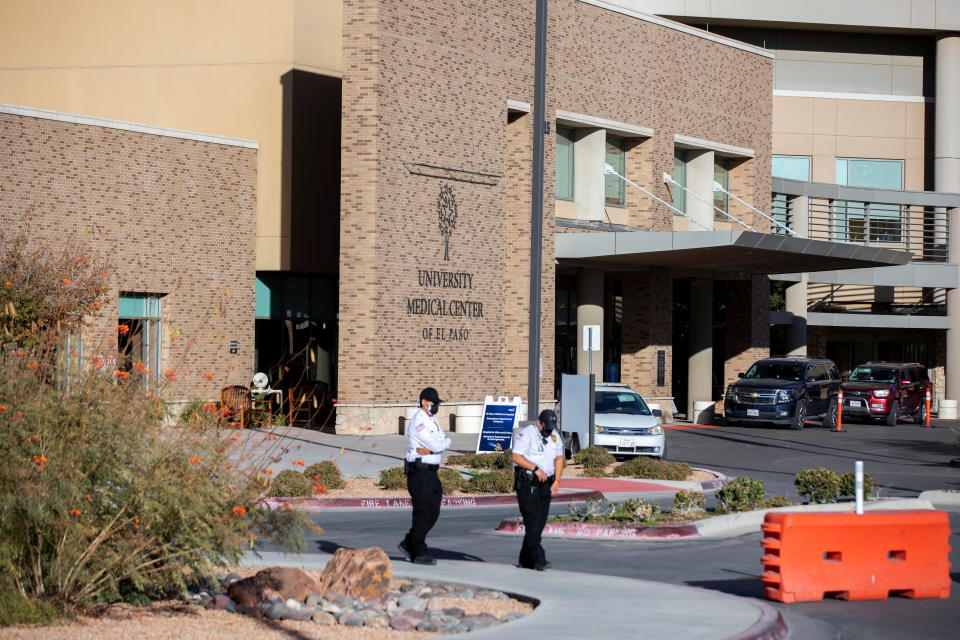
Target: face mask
{"x": 434, "y": 408}
{"x": 545, "y": 431}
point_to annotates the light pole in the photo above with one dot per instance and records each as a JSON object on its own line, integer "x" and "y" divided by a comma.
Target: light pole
{"x": 536, "y": 207}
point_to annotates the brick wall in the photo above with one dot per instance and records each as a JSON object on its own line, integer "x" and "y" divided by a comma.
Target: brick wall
{"x": 172, "y": 216}
{"x": 647, "y": 328}
{"x": 747, "y": 325}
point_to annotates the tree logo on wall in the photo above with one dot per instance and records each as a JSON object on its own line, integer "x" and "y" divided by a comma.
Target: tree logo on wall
{"x": 447, "y": 215}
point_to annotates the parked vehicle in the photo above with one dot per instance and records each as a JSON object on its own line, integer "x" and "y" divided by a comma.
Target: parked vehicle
{"x": 623, "y": 424}
{"x": 784, "y": 391}
{"x": 887, "y": 391}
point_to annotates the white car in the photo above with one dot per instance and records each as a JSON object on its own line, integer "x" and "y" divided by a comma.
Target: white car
{"x": 623, "y": 424}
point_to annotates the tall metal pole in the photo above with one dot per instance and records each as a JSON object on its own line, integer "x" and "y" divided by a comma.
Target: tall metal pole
{"x": 536, "y": 219}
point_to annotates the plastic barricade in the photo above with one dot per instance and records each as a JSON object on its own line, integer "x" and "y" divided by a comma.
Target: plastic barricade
{"x": 871, "y": 556}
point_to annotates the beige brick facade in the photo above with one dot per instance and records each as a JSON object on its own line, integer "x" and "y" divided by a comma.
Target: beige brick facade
{"x": 173, "y": 217}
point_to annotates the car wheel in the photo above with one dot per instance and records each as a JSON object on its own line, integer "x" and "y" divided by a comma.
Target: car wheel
{"x": 920, "y": 417}
{"x": 663, "y": 450}
{"x": 830, "y": 420}
{"x": 799, "y": 415}
{"x": 894, "y": 415}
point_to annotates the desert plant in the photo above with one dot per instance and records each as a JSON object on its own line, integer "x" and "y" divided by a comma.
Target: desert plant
{"x": 499, "y": 460}
{"x": 592, "y": 471}
{"x": 291, "y": 484}
{"x": 637, "y": 511}
{"x": 595, "y": 456}
{"x": 462, "y": 459}
{"x": 450, "y": 480}
{"x": 325, "y": 473}
{"x": 740, "y": 494}
{"x": 817, "y": 485}
{"x": 684, "y": 500}
{"x": 653, "y": 468}
{"x": 848, "y": 484}
{"x": 497, "y": 481}
{"x": 392, "y": 478}
{"x": 590, "y": 509}
{"x": 776, "y": 501}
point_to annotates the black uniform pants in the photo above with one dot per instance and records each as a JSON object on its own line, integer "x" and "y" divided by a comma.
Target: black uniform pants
{"x": 534, "y": 501}
{"x": 426, "y": 495}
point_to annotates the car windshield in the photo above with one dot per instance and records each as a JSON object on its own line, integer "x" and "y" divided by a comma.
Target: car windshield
{"x": 776, "y": 371}
{"x": 873, "y": 374}
{"x": 625, "y": 402}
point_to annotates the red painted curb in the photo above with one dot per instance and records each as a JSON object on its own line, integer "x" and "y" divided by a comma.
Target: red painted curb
{"x": 616, "y": 531}
{"x": 404, "y": 503}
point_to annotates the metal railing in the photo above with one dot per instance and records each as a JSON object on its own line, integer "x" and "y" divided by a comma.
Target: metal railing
{"x": 913, "y": 221}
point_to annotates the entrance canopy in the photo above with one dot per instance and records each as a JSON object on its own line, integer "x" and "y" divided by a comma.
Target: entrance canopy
{"x": 733, "y": 251}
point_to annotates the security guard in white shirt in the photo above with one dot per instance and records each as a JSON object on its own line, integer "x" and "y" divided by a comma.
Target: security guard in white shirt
{"x": 425, "y": 441}
{"x": 537, "y": 452}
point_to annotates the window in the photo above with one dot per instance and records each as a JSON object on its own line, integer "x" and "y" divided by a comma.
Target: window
{"x": 564, "y": 163}
{"x": 138, "y": 334}
{"x": 791, "y": 167}
{"x": 616, "y": 157}
{"x": 680, "y": 176}
{"x": 721, "y": 175}
{"x": 818, "y": 372}
{"x": 876, "y": 222}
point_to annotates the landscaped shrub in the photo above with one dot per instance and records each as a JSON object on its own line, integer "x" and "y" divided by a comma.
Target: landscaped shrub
{"x": 462, "y": 459}
{"x": 500, "y": 460}
{"x": 740, "y": 494}
{"x": 848, "y": 484}
{"x": 653, "y": 468}
{"x": 590, "y": 509}
{"x": 393, "y": 478}
{"x": 776, "y": 501}
{"x": 450, "y": 480}
{"x": 684, "y": 500}
{"x": 291, "y": 484}
{"x": 193, "y": 413}
{"x": 325, "y": 473}
{"x": 592, "y": 471}
{"x": 636, "y": 511}
{"x": 595, "y": 456}
{"x": 818, "y": 485}
{"x": 497, "y": 481}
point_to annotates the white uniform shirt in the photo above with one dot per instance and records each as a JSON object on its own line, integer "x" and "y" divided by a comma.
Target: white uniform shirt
{"x": 423, "y": 431}
{"x": 529, "y": 443}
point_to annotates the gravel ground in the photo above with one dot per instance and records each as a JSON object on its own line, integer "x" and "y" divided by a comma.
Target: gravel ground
{"x": 176, "y": 620}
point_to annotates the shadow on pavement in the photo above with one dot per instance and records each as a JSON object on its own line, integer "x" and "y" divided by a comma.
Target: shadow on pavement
{"x": 745, "y": 587}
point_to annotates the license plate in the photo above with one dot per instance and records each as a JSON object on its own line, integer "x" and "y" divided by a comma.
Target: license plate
{"x": 855, "y": 403}
{"x": 627, "y": 442}
{"x": 753, "y": 412}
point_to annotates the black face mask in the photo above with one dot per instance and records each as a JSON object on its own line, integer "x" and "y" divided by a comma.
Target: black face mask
{"x": 545, "y": 432}
{"x": 434, "y": 408}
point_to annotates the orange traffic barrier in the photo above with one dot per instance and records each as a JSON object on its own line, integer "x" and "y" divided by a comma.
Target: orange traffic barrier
{"x": 871, "y": 556}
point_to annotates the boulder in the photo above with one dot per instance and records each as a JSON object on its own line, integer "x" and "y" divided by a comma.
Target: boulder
{"x": 403, "y": 623}
{"x": 358, "y": 573}
{"x": 288, "y": 583}
{"x": 322, "y": 617}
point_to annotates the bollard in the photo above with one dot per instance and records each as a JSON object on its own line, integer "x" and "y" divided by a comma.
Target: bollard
{"x": 839, "y": 427}
{"x": 927, "y": 414}
{"x": 858, "y": 485}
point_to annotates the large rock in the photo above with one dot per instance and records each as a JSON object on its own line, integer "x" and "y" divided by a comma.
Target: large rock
{"x": 358, "y": 573}
{"x": 289, "y": 584}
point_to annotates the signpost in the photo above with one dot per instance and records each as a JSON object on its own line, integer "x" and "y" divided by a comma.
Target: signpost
{"x": 591, "y": 342}
{"x": 499, "y": 420}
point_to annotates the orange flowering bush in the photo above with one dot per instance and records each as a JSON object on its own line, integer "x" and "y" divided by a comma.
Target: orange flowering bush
{"x": 99, "y": 500}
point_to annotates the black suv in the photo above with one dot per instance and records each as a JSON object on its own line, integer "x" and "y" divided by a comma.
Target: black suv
{"x": 784, "y": 391}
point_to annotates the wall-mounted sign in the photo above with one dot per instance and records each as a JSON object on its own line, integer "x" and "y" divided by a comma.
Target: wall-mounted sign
{"x": 499, "y": 420}
{"x": 234, "y": 347}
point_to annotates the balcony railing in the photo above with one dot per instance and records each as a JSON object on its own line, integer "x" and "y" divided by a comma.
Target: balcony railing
{"x": 914, "y": 221}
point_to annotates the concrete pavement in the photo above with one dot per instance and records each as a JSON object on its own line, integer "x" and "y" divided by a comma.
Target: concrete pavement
{"x": 583, "y": 605}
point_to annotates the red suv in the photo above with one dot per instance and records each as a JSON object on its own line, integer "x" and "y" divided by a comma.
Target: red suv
{"x": 887, "y": 391}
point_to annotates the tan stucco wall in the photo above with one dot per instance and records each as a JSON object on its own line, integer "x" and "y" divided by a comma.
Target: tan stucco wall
{"x": 210, "y": 66}
{"x": 828, "y": 128}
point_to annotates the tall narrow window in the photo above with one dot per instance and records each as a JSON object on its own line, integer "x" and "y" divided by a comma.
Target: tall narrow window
{"x": 138, "y": 335}
{"x": 680, "y": 176}
{"x": 564, "y": 163}
{"x": 721, "y": 175}
{"x": 616, "y": 157}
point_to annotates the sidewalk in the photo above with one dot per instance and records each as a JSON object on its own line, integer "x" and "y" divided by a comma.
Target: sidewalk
{"x": 581, "y": 605}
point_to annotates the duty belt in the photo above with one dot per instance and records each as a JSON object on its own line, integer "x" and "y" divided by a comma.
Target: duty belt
{"x": 419, "y": 465}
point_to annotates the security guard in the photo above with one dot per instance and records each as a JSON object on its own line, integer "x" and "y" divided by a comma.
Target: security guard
{"x": 425, "y": 442}
{"x": 538, "y": 456}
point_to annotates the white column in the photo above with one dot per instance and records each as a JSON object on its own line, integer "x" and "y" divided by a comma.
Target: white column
{"x": 700, "y": 351}
{"x": 796, "y": 302}
{"x": 947, "y": 178}
{"x": 589, "y": 155}
{"x": 590, "y": 312}
{"x": 700, "y": 182}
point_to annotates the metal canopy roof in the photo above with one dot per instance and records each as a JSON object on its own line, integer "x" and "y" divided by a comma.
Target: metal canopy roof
{"x": 734, "y": 251}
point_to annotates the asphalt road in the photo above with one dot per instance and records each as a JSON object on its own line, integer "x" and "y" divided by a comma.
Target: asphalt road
{"x": 904, "y": 461}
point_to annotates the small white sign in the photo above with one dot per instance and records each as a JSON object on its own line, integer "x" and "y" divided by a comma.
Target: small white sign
{"x": 591, "y": 337}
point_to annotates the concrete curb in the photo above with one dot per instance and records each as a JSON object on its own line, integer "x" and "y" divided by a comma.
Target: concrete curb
{"x": 319, "y": 504}
{"x": 583, "y": 605}
{"x": 725, "y": 526}
{"x": 951, "y": 498}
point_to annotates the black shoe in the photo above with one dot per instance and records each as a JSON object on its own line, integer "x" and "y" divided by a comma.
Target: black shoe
{"x": 424, "y": 559}
{"x": 406, "y": 552}
{"x": 542, "y": 567}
